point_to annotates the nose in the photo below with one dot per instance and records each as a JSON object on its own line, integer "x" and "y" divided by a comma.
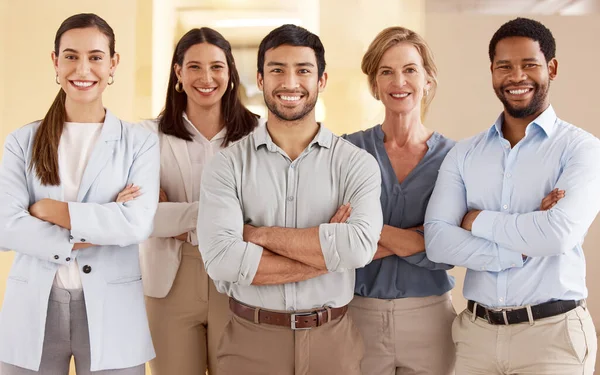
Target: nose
{"x": 205, "y": 76}
{"x": 290, "y": 81}
{"x": 83, "y": 67}
{"x": 517, "y": 75}
{"x": 399, "y": 79}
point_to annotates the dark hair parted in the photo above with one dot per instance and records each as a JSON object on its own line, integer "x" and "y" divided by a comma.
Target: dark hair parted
{"x": 291, "y": 35}
{"x": 528, "y": 28}
{"x": 45, "y": 144}
{"x": 239, "y": 121}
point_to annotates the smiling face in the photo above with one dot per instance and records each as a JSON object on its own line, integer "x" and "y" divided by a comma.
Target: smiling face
{"x": 204, "y": 74}
{"x": 83, "y": 64}
{"x": 401, "y": 79}
{"x": 521, "y": 76}
{"x": 291, "y": 82}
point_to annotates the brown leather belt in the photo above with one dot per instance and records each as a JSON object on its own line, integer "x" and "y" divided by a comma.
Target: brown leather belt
{"x": 295, "y": 321}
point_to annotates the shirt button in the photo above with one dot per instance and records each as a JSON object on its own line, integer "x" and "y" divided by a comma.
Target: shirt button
{"x": 68, "y": 259}
{"x": 501, "y": 299}
{"x": 507, "y": 146}
{"x": 293, "y": 166}
{"x": 513, "y": 265}
{"x": 87, "y": 269}
{"x": 56, "y": 257}
{"x": 70, "y": 237}
{"x": 505, "y": 207}
{"x": 82, "y": 240}
{"x": 290, "y": 198}
{"x": 508, "y": 175}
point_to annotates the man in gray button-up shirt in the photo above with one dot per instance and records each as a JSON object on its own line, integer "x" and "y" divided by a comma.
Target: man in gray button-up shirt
{"x": 264, "y": 227}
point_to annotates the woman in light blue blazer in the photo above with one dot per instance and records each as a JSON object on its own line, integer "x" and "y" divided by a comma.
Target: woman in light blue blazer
{"x": 75, "y": 287}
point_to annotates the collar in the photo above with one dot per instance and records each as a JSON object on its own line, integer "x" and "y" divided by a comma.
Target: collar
{"x": 545, "y": 121}
{"x": 261, "y": 135}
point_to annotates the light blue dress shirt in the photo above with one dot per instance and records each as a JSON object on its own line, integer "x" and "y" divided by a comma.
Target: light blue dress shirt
{"x": 508, "y": 185}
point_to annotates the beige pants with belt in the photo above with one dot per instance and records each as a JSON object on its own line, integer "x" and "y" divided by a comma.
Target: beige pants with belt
{"x": 560, "y": 345}
{"x": 247, "y": 348}
{"x": 187, "y": 324}
{"x": 407, "y": 335}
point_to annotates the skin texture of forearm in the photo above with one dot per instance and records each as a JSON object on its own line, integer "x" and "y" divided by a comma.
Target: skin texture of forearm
{"x": 382, "y": 252}
{"x": 402, "y": 242}
{"x": 302, "y": 245}
{"x": 275, "y": 269}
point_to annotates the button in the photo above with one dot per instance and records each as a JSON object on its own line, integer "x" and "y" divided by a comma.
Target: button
{"x": 70, "y": 237}
{"x": 68, "y": 259}
{"x": 293, "y": 166}
{"x": 513, "y": 265}
{"x": 501, "y": 299}
{"x": 56, "y": 257}
{"x": 290, "y": 198}
{"x": 82, "y": 240}
{"x": 507, "y": 145}
{"x": 87, "y": 269}
{"x": 508, "y": 175}
{"x": 505, "y": 207}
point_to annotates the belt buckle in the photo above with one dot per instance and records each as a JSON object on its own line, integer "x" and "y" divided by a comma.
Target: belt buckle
{"x": 293, "y": 321}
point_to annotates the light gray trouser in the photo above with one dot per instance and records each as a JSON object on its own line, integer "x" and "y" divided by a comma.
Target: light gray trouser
{"x": 66, "y": 335}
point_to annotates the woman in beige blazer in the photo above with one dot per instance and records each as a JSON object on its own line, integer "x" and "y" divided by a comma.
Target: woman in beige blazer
{"x": 202, "y": 115}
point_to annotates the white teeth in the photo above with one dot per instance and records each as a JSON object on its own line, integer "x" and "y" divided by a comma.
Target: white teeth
{"x": 206, "y": 91}
{"x": 518, "y": 92}
{"x": 82, "y": 84}
{"x": 403, "y": 95}
{"x": 290, "y": 98}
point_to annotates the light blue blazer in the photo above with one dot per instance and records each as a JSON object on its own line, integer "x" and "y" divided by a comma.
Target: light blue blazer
{"x": 114, "y": 298}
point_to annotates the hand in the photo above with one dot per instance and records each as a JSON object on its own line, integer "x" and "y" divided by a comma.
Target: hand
{"x": 551, "y": 199}
{"x": 41, "y": 209}
{"x": 128, "y": 194}
{"x": 162, "y": 196}
{"x": 467, "y": 221}
{"x": 182, "y": 237}
{"x": 342, "y": 214}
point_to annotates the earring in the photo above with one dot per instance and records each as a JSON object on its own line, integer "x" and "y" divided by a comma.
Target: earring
{"x": 111, "y": 80}
{"x": 376, "y": 95}
{"x": 426, "y": 92}
{"x": 232, "y": 85}
{"x": 56, "y": 80}
{"x": 179, "y": 87}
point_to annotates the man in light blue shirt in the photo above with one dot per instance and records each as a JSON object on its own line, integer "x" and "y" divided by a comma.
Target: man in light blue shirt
{"x": 526, "y": 269}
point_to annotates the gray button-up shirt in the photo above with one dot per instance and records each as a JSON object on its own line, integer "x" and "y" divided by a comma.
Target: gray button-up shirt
{"x": 255, "y": 182}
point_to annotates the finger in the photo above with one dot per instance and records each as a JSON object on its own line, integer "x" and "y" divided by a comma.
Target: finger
{"x": 339, "y": 214}
{"x": 346, "y": 215}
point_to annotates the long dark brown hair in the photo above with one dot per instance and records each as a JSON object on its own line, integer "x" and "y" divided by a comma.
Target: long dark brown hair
{"x": 239, "y": 121}
{"x": 44, "y": 157}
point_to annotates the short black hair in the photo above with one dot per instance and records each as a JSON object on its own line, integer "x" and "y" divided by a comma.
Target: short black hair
{"x": 291, "y": 35}
{"x": 527, "y": 28}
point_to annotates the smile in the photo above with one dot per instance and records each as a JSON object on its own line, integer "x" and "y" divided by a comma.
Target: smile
{"x": 400, "y": 95}
{"x": 519, "y": 91}
{"x": 206, "y": 90}
{"x": 83, "y": 84}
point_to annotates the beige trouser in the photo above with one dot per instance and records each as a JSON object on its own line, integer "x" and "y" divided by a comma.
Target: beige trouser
{"x": 407, "y": 335}
{"x": 187, "y": 324}
{"x": 560, "y": 345}
{"x": 247, "y": 348}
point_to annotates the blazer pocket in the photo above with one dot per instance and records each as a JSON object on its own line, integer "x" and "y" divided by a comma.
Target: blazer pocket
{"x": 127, "y": 280}
{"x": 18, "y": 279}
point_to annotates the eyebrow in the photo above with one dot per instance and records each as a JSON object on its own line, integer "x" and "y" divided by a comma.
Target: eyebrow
{"x": 75, "y": 51}
{"x": 275, "y": 63}
{"x": 529, "y": 59}
{"x": 212, "y": 62}
{"x": 389, "y": 67}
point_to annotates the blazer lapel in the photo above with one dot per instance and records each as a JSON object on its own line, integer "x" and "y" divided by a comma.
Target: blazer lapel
{"x": 179, "y": 148}
{"x": 103, "y": 151}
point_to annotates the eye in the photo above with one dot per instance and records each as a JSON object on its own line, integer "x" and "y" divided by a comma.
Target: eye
{"x": 304, "y": 71}
{"x": 276, "y": 70}
{"x": 217, "y": 67}
{"x": 530, "y": 66}
{"x": 70, "y": 57}
{"x": 193, "y": 67}
{"x": 96, "y": 58}
{"x": 503, "y": 67}
{"x": 411, "y": 70}
{"x": 386, "y": 72}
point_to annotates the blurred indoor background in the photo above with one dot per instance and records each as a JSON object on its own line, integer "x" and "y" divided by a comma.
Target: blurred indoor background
{"x": 458, "y": 32}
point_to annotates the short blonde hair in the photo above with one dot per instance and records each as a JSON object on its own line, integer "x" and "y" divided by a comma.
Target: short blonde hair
{"x": 385, "y": 40}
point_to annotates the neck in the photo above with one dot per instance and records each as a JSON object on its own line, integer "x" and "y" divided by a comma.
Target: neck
{"x": 208, "y": 120}
{"x": 87, "y": 113}
{"x": 513, "y": 128}
{"x": 404, "y": 129}
{"x": 292, "y": 136}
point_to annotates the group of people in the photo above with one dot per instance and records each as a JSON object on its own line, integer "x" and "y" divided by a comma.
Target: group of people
{"x": 281, "y": 248}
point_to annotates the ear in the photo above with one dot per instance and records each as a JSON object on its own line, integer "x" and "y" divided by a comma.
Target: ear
{"x": 114, "y": 62}
{"x": 323, "y": 82}
{"x": 177, "y": 69}
{"x": 492, "y": 68}
{"x": 259, "y": 81}
{"x": 54, "y": 61}
{"x": 553, "y": 69}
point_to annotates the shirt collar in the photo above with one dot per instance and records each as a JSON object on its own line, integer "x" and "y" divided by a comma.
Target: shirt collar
{"x": 197, "y": 136}
{"x": 546, "y": 121}
{"x": 261, "y": 136}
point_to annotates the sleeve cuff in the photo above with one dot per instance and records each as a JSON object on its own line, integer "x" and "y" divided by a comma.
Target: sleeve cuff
{"x": 76, "y": 215}
{"x": 509, "y": 259}
{"x": 328, "y": 246}
{"x": 483, "y": 226}
{"x": 250, "y": 264}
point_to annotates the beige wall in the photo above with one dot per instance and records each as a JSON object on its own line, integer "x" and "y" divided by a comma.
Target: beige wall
{"x": 466, "y": 104}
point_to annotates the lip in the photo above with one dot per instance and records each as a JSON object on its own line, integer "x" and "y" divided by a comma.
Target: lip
{"x": 284, "y": 97}
{"x": 519, "y": 96}
{"x": 206, "y": 93}
{"x": 394, "y": 95}
{"x": 82, "y": 88}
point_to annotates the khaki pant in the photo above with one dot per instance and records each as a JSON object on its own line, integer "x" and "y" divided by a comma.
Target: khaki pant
{"x": 187, "y": 324}
{"x": 247, "y": 348}
{"x": 560, "y": 345}
{"x": 407, "y": 335}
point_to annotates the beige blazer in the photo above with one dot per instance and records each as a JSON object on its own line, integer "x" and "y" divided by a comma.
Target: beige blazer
{"x": 160, "y": 255}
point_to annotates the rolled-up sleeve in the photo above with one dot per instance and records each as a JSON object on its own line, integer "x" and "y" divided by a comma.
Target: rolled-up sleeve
{"x": 227, "y": 257}
{"x": 126, "y": 223}
{"x": 353, "y": 244}
{"x": 19, "y": 231}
